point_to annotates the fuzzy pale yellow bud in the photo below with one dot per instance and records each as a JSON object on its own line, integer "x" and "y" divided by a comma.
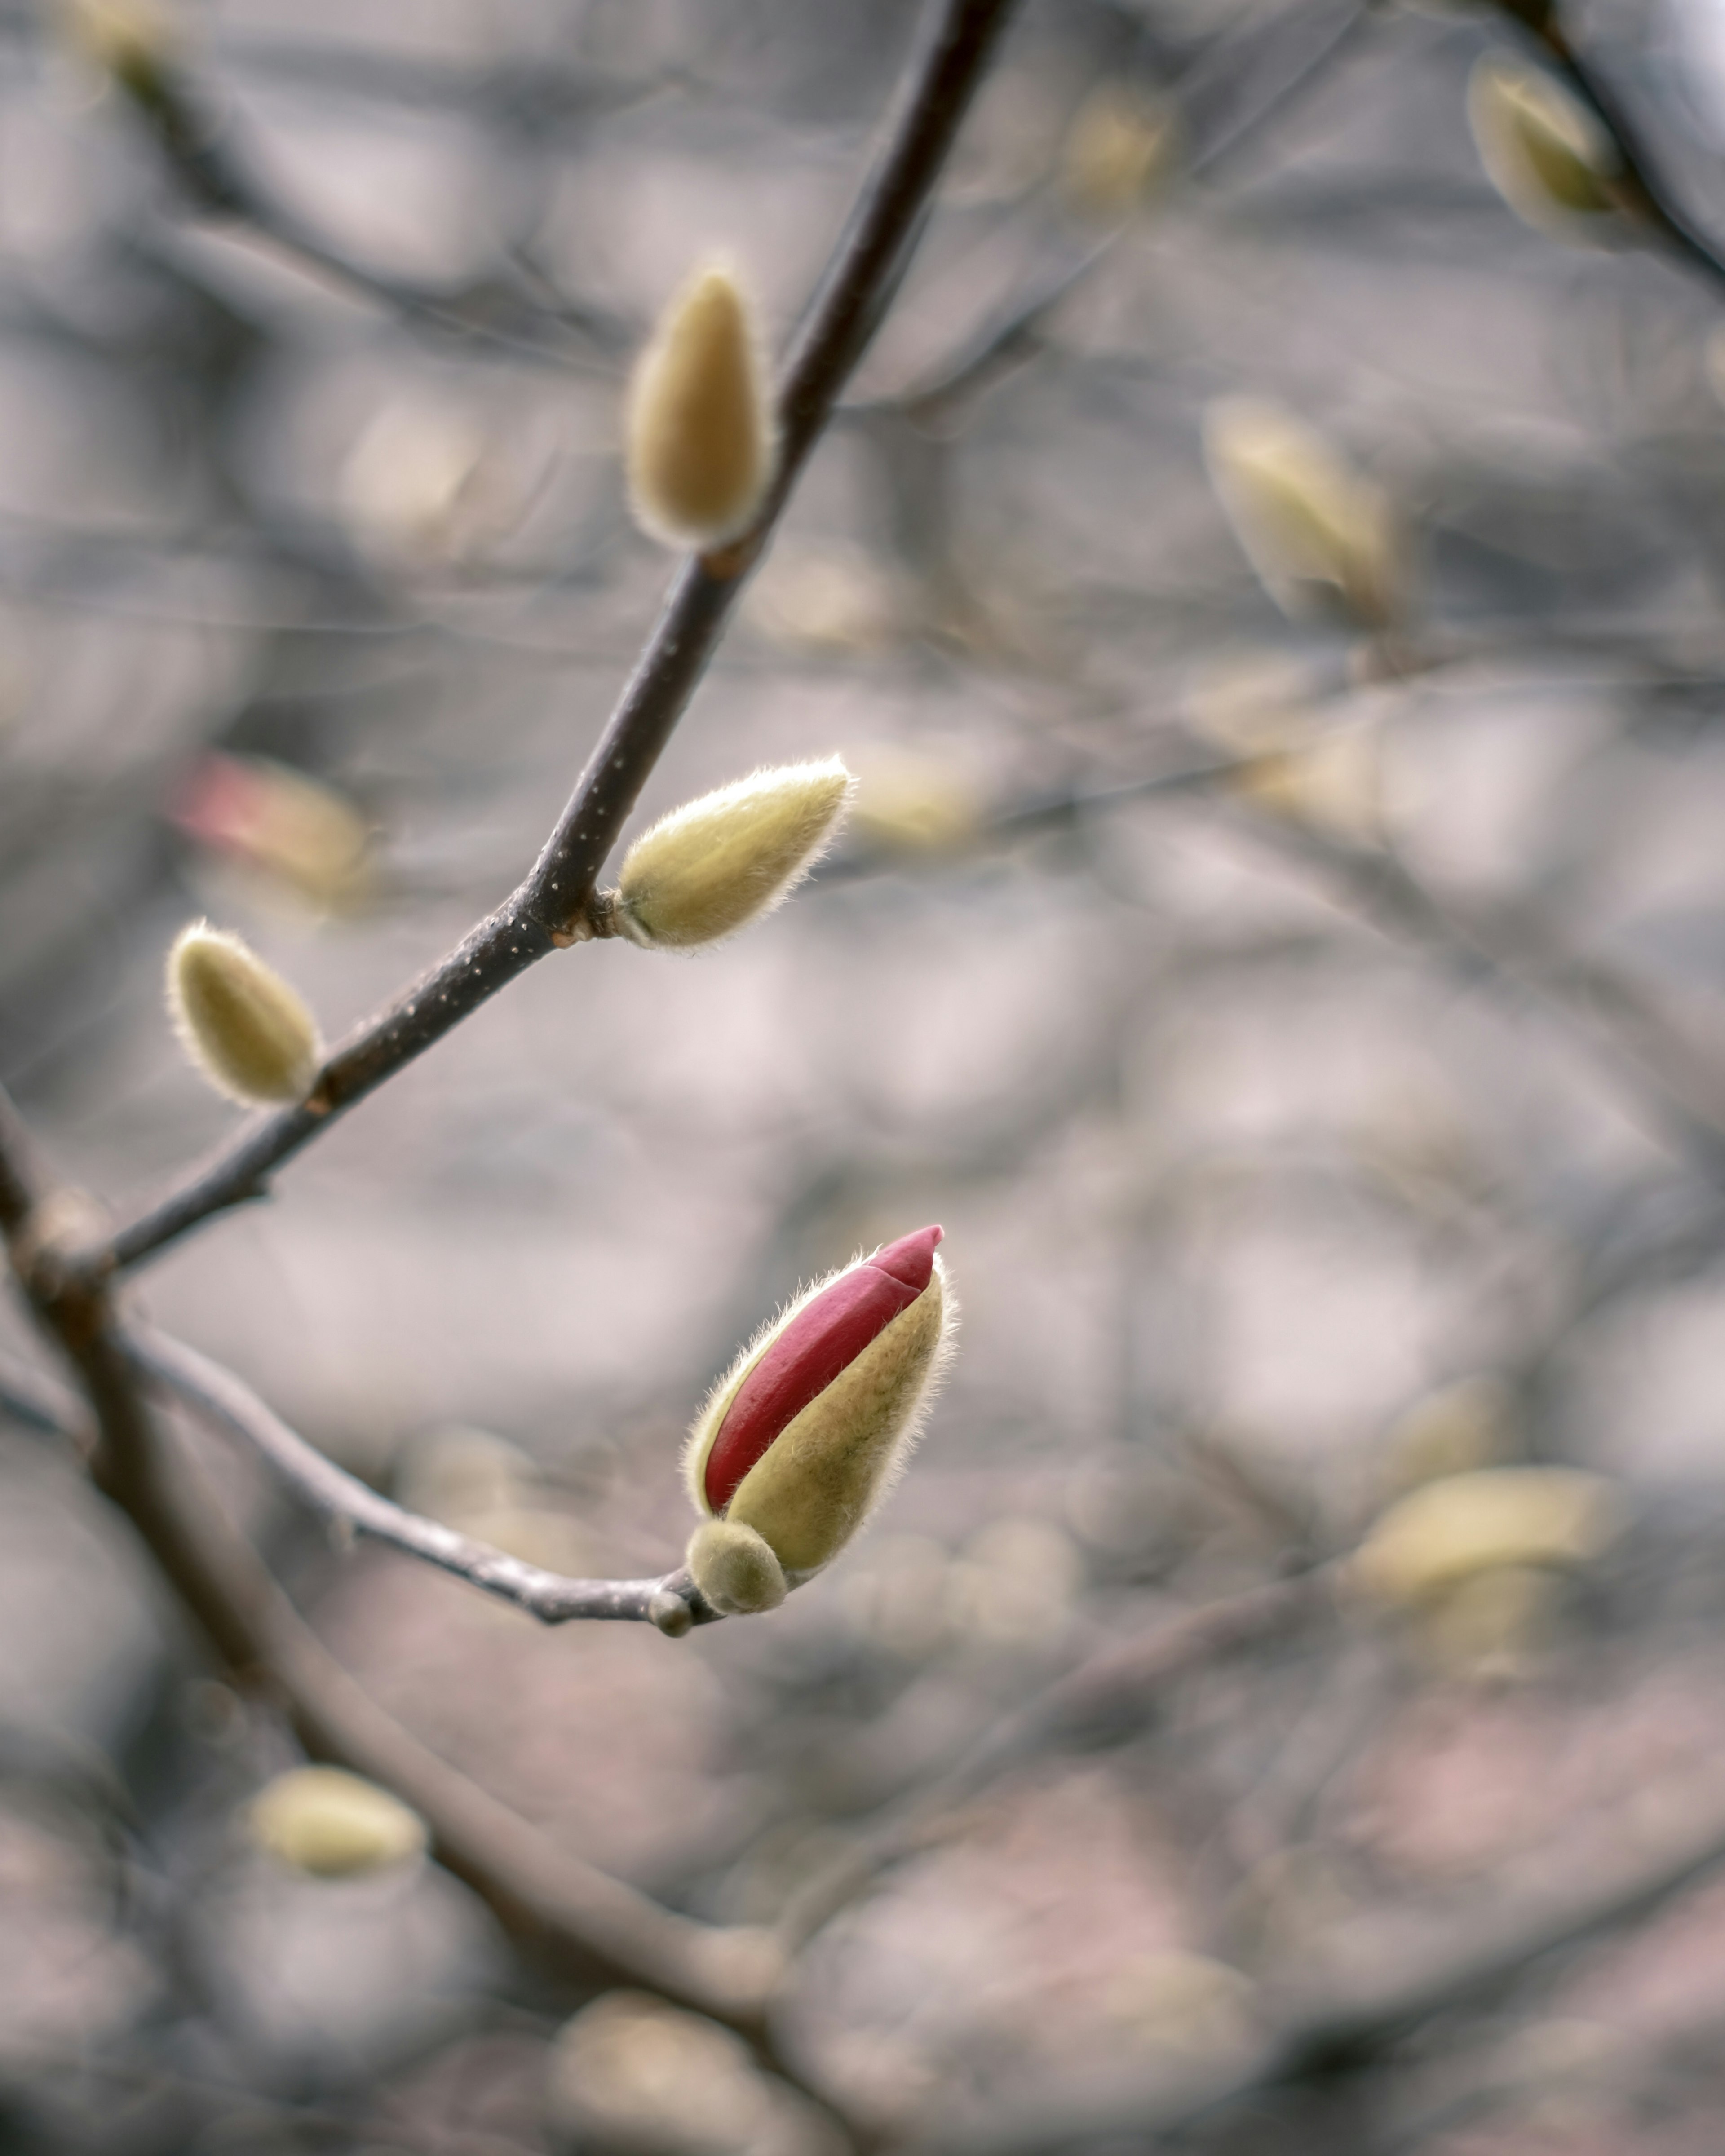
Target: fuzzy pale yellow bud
{"x": 1316, "y": 531}
{"x": 1117, "y": 146}
{"x": 701, "y": 440}
{"x": 240, "y": 1023}
{"x": 809, "y": 1428}
{"x": 1447, "y": 1530}
{"x": 321, "y": 1821}
{"x": 132, "y": 40}
{"x": 717, "y": 863}
{"x": 1543, "y": 152}
{"x": 735, "y": 1568}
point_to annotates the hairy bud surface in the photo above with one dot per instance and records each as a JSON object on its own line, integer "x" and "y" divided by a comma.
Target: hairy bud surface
{"x": 245, "y": 1029}
{"x": 813, "y": 1422}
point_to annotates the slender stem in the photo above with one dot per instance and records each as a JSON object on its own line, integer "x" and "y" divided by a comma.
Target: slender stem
{"x": 550, "y": 909}
{"x": 221, "y": 1399}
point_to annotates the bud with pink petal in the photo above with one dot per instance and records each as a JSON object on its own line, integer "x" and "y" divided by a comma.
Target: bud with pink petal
{"x": 813, "y": 1424}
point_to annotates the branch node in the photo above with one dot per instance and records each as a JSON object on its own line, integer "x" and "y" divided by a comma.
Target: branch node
{"x": 670, "y": 1613}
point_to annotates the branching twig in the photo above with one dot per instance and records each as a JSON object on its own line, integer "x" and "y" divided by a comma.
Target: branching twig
{"x": 220, "y": 1398}
{"x": 551, "y": 908}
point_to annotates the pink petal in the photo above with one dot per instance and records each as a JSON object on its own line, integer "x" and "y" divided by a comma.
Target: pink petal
{"x": 821, "y": 1340}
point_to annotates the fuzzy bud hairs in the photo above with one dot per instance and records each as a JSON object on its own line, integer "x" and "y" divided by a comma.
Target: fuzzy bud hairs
{"x": 813, "y": 1422}
{"x": 715, "y": 863}
{"x": 245, "y": 1029}
{"x": 701, "y": 447}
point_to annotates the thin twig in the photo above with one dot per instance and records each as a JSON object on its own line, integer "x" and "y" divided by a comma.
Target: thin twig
{"x": 37, "y": 1403}
{"x": 1118, "y": 1682}
{"x": 550, "y": 908}
{"x": 1460, "y": 1967}
{"x": 224, "y": 1401}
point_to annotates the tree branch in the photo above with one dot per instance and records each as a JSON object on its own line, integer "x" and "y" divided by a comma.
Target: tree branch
{"x": 221, "y": 1399}
{"x": 551, "y": 908}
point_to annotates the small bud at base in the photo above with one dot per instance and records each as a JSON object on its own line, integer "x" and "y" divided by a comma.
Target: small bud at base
{"x": 245, "y": 1029}
{"x": 701, "y": 443}
{"x": 735, "y": 1568}
{"x": 715, "y": 863}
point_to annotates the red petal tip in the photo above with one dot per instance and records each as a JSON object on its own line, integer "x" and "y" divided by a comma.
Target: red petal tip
{"x": 910, "y": 1259}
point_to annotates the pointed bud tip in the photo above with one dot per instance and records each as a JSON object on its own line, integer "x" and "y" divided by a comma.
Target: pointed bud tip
{"x": 910, "y": 1259}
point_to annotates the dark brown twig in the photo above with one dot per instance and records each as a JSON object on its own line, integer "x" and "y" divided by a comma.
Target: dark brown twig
{"x": 551, "y": 908}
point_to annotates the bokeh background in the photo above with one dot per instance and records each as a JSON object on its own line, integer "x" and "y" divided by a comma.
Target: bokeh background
{"x": 1308, "y": 1031}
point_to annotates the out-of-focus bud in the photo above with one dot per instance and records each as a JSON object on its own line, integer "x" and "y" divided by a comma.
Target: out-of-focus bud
{"x": 701, "y": 440}
{"x": 1447, "y": 1530}
{"x": 130, "y": 41}
{"x": 813, "y": 1424}
{"x": 1461, "y": 1426}
{"x": 632, "y": 2077}
{"x": 1320, "y": 536}
{"x": 291, "y": 830}
{"x": 332, "y": 1823}
{"x": 1120, "y": 143}
{"x": 913, "y": 804}
{"x": 240, "y": 1022}
{"x": 1543, "y": 152}
{"x": 715, "y": 863}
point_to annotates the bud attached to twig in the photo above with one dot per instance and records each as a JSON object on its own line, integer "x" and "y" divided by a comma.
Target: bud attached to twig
{"x": 1542, "y": 149}
{"x": 715, "y": 863}
{"x": 1318, "y": 531}
{"x": 813, "y": 1424}
{"x": 240, "y": 1023}
{"x": 702, "y": 444}
{"x": 333, "y": 1825}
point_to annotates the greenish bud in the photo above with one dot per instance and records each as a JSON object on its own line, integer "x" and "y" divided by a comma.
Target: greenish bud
{"x": 1316, "y": 531}
{"x": 333, "y": 1824}
{"x": 245, "y": 1029}
{"x": 1543, "y": 152}
{"x": 715, "y": 863}
{"x": 701, "y": 447}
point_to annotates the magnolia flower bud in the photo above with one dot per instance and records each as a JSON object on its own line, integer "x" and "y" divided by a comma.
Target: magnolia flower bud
{"x": 1118, "y": 145}
{"x": 700, "y": 438}
{"x": 1312, "y": 527}
{"x": 716, "y": 863}
{"x": 240, "y": 1023}
{"x": 1448, "y": 1531}
{"x": 813, "y": 1424}
{"x": 1543, "y": 152}
{"x": 332, "y": 1823}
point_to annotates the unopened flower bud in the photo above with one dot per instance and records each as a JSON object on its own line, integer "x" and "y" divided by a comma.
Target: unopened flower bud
{"x": 1314, "y": 528}
{"x": 333, "y": 1825}
{"x": 811, "y": 1426}
{"x": 1118, "y": 145}
{"x": 1543, "y": 152}
{"x": 1447, "y": 1530}
{"x": 717, "y": 863}
{"x": 701, "y": 440}
{"x": 240, "y": 1023}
